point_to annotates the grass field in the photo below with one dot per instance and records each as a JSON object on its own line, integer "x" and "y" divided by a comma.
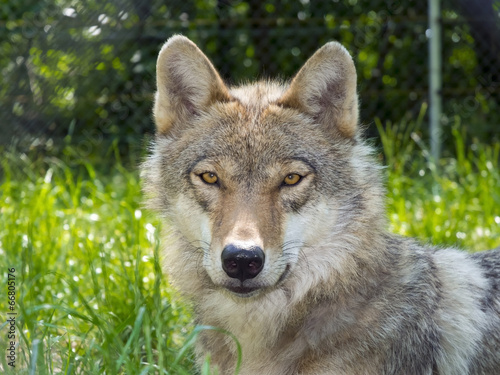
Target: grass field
{"x": 90, "y": 295}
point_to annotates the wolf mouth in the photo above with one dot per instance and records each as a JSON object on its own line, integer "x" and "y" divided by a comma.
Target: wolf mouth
{"x": 248, "y": 291}
{"x": 243, "y": 291}
{"x": 284, "y": 274}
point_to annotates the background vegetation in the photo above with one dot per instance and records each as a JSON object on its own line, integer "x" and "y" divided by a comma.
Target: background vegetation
{"x": 87, "y": 68}
{"x": 76, "y": 87}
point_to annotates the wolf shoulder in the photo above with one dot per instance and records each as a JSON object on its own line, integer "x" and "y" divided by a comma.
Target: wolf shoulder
{"x": 460, "y": 292}
{"x": 438, "y": 312}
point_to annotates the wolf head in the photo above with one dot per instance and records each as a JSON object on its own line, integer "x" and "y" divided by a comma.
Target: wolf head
{"x": 256, "y": 181}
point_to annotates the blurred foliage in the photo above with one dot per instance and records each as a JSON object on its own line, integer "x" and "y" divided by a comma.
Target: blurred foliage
{"x": 86, "y": 70}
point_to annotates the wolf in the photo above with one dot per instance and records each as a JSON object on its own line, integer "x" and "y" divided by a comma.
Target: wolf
{"x": 275, "y": 231}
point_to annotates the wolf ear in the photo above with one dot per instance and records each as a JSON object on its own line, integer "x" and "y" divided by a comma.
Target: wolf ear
{"x": 187, "y": 83}
{"x": 325, "y": 88}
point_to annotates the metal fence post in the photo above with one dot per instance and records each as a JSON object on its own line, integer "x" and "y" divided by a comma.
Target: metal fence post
{"x": 435, "y": 77}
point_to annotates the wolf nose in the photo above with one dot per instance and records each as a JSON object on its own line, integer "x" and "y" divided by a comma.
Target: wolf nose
{"x": 242, "y": 264}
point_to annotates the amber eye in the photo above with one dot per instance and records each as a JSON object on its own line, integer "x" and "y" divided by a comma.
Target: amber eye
{"x": 209, "y": 177}
{"x": 292, "y": 179}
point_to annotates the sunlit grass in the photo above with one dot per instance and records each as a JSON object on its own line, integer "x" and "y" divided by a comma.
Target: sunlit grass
{"x": 91, "y": 297}
{"x": 454, "y": 201}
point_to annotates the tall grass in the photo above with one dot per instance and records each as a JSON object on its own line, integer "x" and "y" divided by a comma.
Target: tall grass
{"x": 453, "y": 201}
{"x": 91, "y": 297}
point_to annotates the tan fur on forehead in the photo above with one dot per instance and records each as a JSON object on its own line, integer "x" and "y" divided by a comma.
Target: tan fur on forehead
{"x": 259, "y": 95}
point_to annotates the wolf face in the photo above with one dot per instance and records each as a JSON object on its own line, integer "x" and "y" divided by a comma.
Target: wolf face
{"x": 252, "y": 177}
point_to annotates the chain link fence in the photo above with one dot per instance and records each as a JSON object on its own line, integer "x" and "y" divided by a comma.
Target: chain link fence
{"x": 84, "y": 72}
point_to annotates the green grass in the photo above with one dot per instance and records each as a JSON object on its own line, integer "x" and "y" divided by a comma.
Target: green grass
{"x": 91, "y": 298}
{"x": 453, "y": 202}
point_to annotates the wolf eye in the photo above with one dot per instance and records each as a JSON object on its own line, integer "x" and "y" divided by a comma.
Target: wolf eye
{"x": 209, "y": 177}
{"x": 292, "y": 179}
